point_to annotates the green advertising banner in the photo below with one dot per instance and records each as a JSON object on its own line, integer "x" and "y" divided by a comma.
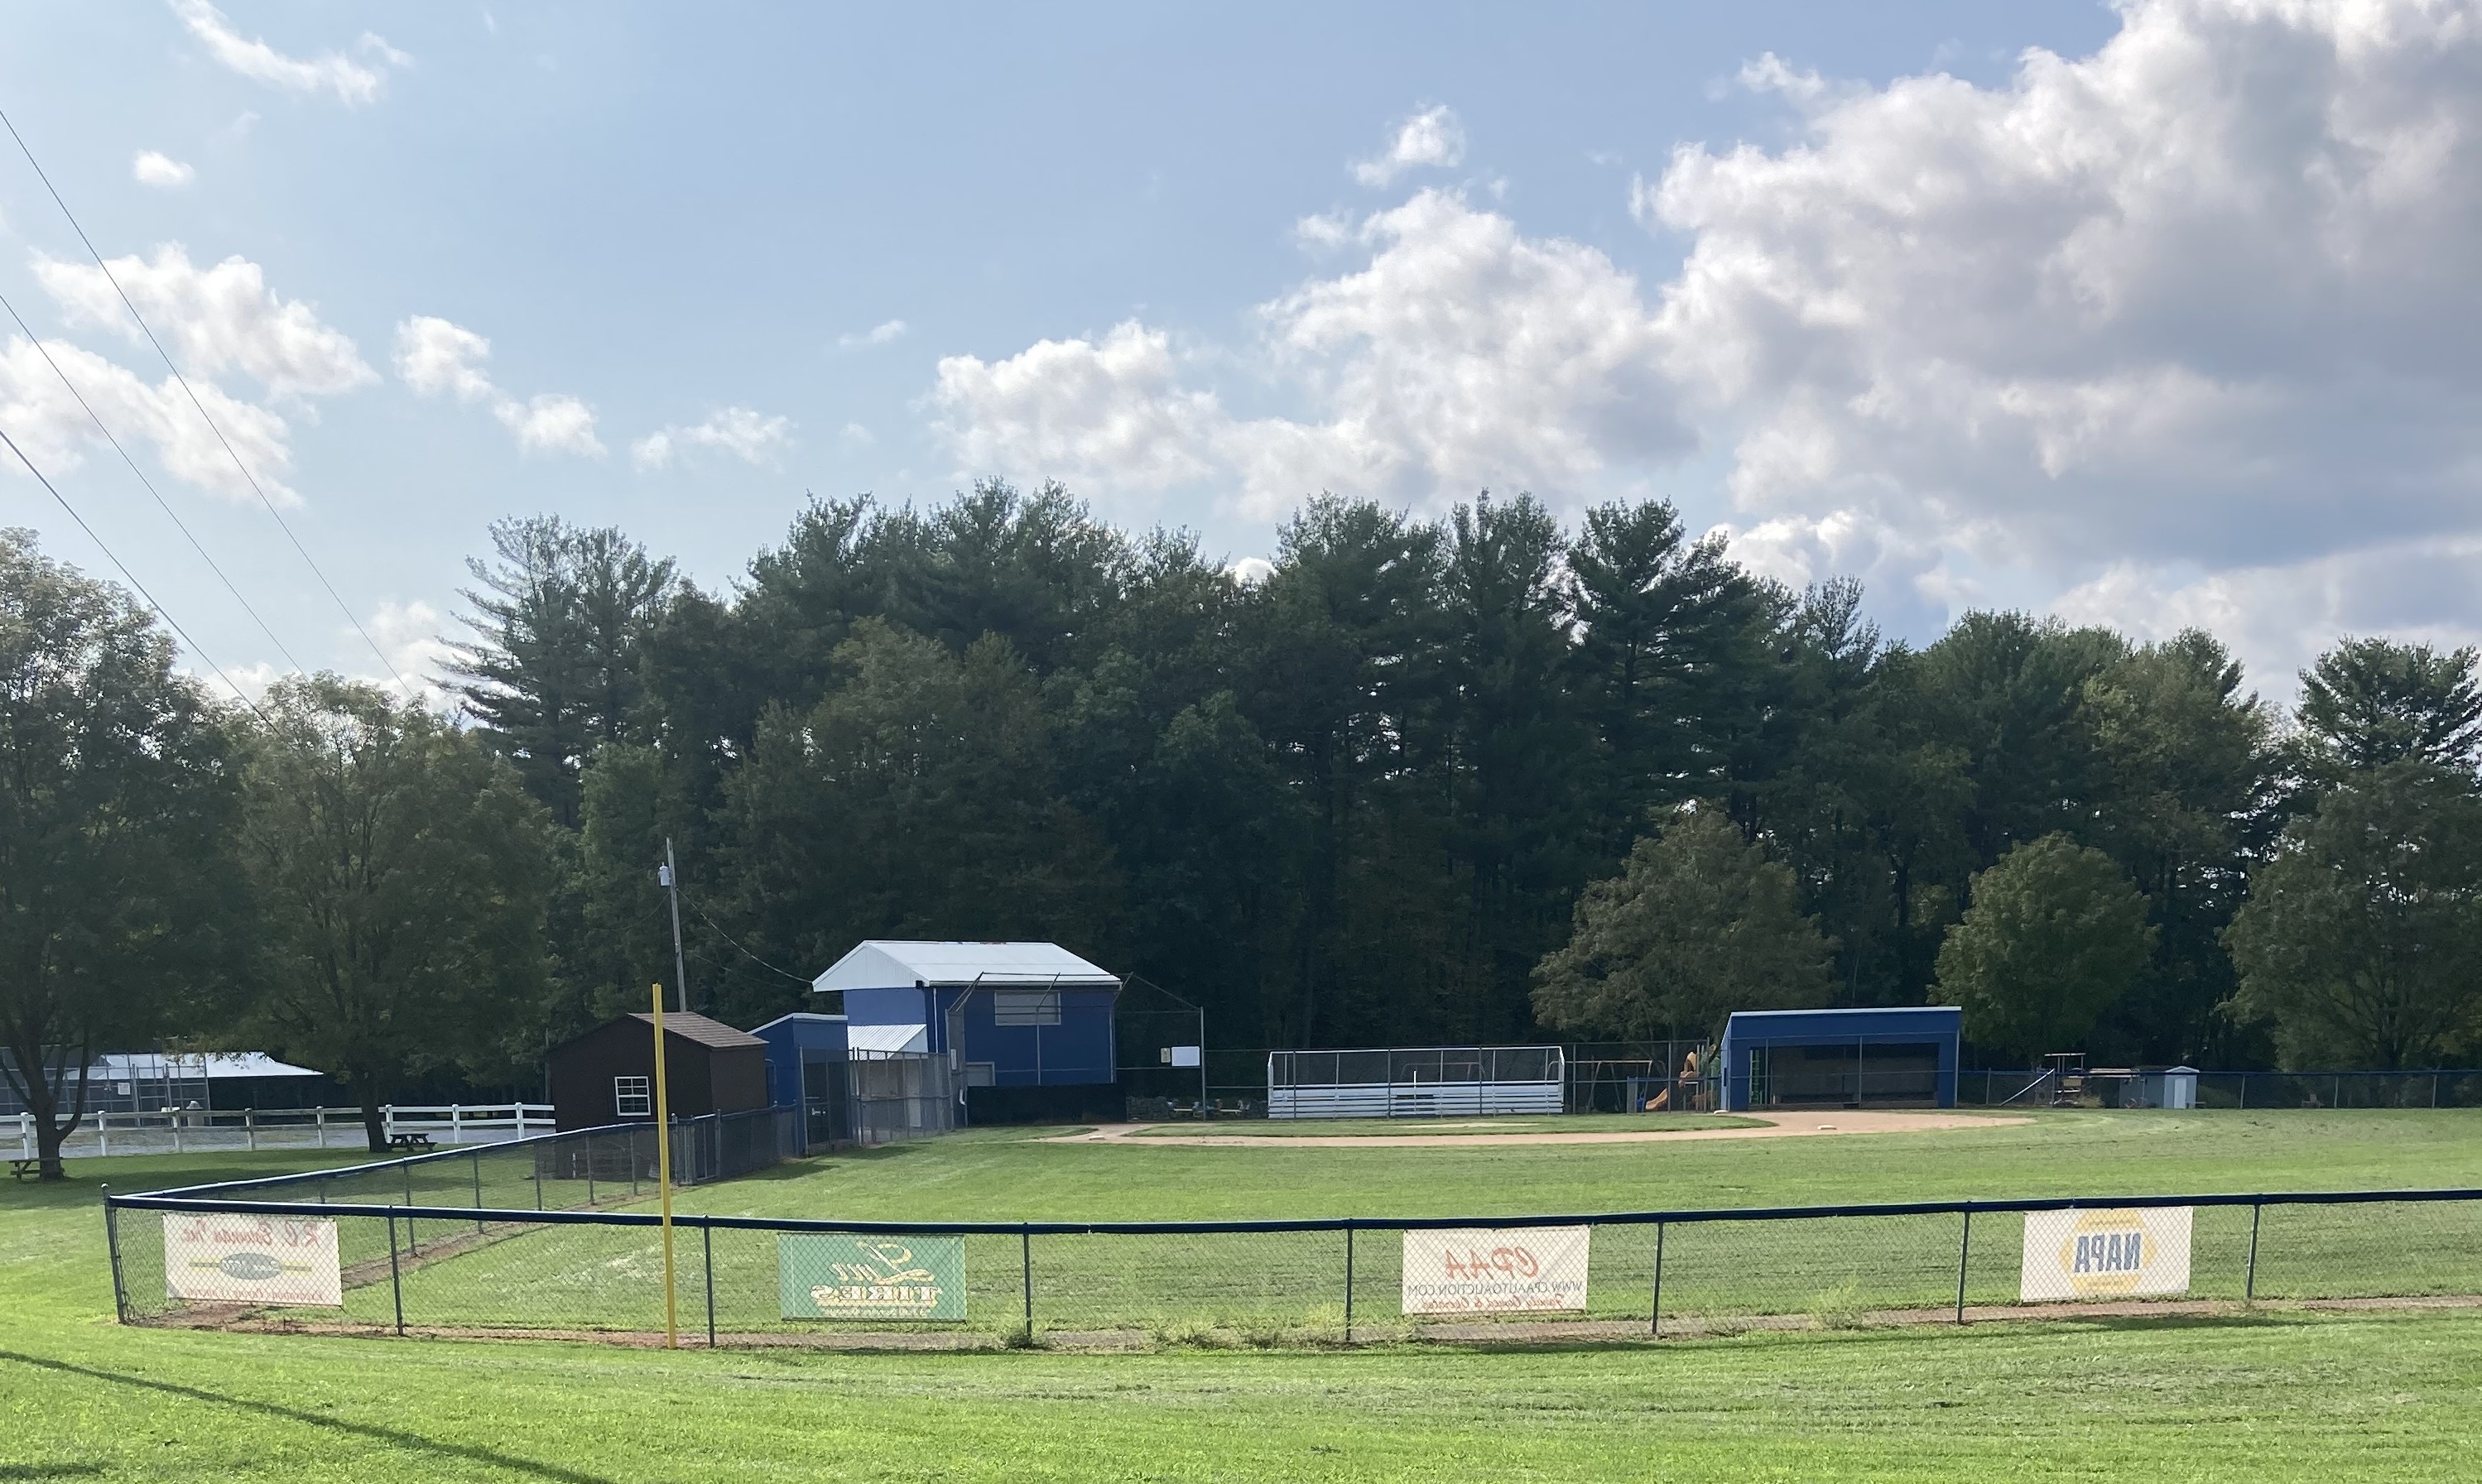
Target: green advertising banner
{"x": 824, "y": 1277}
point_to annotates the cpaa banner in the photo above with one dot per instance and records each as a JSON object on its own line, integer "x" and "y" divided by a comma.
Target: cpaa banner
{"x": 829, "y": 1277}
{"x": 1495, "y": 1270}
{"x": 223, "y": 1258}
{"x": 2125, "y": 1253}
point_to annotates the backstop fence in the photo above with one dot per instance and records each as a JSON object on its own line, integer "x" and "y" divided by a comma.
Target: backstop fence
{"x": 558, "y": 1240}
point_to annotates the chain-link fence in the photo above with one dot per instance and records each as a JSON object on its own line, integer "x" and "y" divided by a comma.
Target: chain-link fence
{"x": 556, "y": 1240}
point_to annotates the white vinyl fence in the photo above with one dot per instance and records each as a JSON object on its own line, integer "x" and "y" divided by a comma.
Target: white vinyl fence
{"x": 182, "y": 1131}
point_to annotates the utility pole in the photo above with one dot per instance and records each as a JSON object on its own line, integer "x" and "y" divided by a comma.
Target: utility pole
{"x": 669, "y": 877}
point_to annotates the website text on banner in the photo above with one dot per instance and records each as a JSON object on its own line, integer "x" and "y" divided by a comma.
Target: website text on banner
{"x": 1495, "y": 1270}
{"x": 225, "y": 1258}
{"x": 2110, "y": 1253}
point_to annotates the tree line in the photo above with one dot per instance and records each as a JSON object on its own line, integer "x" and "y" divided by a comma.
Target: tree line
{"x": 1476, "y": 779}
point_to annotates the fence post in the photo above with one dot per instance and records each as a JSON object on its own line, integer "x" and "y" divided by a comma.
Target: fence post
{"x": 1025, "y": 1237}
{"x": 588, "y": 1143}
{"x": 112, "y": 1240}
{"x": 396, "y": 1280}
{"x": 707, "y": 1245}
{"x": 1654, "y": 1310}
{"x": 2244, "y": 1078}
{"x": 2248, "y": 1282}
{"x": 249, "y": 1126}
{"x": 1347, "y": 1283}
{"x": 478, "y": 1192}
{"x": 319, "y": 1122}
{"x": 410, "y": 1239}
{"x": 457, "y": 1123}
{"x": 2434, "y": 1089}
{"x": 1963, "y": 1249}
{"x": 538, "y": 1154}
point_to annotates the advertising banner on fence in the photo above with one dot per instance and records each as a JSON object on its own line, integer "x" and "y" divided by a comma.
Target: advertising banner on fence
{"x": 833, "y": 1277}
{"x": 1495, "y": 1269}
{"x": 224, "y": 1257}
{"x": 2132, "y": 1252}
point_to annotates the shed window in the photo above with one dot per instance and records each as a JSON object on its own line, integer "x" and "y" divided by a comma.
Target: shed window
{"x": 632, "y": 1098}
{"x": 1025, "y": 1007}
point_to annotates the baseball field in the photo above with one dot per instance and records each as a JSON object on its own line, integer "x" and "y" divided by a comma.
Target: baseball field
{"x": 2280, "y": 1393}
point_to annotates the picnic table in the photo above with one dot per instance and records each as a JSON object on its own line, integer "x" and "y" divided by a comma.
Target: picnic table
{"x": 21, "y": 1168}
{"x": 410, "y": 1141}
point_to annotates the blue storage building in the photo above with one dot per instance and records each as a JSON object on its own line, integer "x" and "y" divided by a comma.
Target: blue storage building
{"x": 807, "y": 1058}
{"x": 1004, "y": 1015}
{"x": 1884, "y": 1058}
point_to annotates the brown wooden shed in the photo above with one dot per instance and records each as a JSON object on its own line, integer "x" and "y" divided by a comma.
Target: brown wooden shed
{"x": 606, "y": 1076}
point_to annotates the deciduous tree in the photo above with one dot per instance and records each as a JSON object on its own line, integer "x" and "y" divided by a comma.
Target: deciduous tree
{"x": 116, "y": 793}
{"x": 2361, "y": 940}
{"x": 401, "y": 873}
{"x": 2056, "y": 933}
{"x": 1698, "y": 923}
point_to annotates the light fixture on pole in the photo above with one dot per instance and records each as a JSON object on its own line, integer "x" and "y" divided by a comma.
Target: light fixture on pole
{"x": 669, "y": 878}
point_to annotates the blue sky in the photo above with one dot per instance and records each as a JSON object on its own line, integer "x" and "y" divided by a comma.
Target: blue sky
{"x": 2147, "y": 316}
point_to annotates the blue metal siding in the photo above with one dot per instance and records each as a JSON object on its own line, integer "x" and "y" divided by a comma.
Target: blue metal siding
{"x": 786, "y": 1041}
{"x": 1940, "y": 1026}
{"x": 1075, "y": 1052}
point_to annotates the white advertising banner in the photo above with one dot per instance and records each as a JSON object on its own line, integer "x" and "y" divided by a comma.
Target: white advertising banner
{"x": 225, "y": 1258}
{"x": 1495, "y": 1269}
{"x": 2122, "y": 1253}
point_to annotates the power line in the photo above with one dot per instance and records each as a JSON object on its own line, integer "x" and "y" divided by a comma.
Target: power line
{"x": 161, "y": 611}
{"x": 160, "y": 502}
{"x": 745, "y": 952}
{"x": 252, "y": 479}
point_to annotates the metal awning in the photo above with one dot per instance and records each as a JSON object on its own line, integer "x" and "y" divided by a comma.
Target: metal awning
{"x": 887, "y": 1040}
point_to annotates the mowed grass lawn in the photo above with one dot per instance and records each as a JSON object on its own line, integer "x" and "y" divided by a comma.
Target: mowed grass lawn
{"x": 2284, "y": 1395}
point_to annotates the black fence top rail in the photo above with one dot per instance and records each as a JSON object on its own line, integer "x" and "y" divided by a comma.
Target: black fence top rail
{"x": 192, "y": 1201}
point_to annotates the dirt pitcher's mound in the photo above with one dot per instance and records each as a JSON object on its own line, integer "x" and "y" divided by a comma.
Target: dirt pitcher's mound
{"x": 1775, "y": 1126}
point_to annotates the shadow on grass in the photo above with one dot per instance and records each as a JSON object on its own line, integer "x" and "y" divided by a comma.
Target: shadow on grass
{"x": 396, "y": 1437}
{"x": 49, "y": 1471}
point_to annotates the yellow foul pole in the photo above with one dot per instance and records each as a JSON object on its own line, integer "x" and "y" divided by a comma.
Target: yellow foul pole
{"x": 663, "y": 1176}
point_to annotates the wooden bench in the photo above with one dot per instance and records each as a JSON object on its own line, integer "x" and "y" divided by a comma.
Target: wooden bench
{"x": 410, "y": 1142}
{"x": 21, "y": 1168}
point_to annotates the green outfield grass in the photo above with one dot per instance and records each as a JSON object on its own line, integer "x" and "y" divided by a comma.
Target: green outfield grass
{"x": 2285, "y": 1395}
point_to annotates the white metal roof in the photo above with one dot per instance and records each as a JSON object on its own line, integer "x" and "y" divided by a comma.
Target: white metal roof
{"x": 884, "y": 963}
{"x": 216, "y": 1066}
{"x": 889, "y": 1040}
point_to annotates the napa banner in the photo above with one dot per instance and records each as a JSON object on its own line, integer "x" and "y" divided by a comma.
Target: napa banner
{"x": 1495, "y": 1269}
{"x": 2127, "y": 1253}
{"x": 836, "y": 1277}
{"x": 224, "y": 1257}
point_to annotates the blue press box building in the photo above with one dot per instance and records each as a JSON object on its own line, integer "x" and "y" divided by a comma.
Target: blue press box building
{"x": 1841, "y": 1058}
{"x": 1017, "y": 1015}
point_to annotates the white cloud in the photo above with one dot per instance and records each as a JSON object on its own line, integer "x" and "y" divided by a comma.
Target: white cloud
{"x": 1430, "y": 138}
{"x": 410, "y": 634}
{"x": 551, "y": 423}
{"x": 749, "y": 436}
{"x": 433, "y": 355}
{"x": 56, "y": 432}
{"x": 352, "y": 82}
{"x": 217, "y": 318}
{"x": 154, "y": 167}
{"x": 1461, "y": 355}
{"x": 2201, "y": 301}
{"x": 882, "y": 334}
{"x": 436, "y": 357}
{"x": 2177, "y": 330}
